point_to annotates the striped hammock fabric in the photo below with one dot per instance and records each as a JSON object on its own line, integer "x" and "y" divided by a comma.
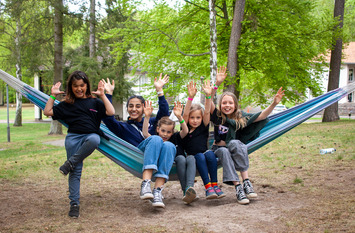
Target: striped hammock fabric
{"x": 131, "y": 158}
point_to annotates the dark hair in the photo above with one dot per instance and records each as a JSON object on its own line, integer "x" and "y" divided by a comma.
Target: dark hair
{"x": 135, "y": 96}
{"x": 76, "y": 75}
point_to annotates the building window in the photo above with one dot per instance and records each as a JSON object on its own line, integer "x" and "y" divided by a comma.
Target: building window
{"x": 351, "y": 75}
{"x": 351, "y": 97}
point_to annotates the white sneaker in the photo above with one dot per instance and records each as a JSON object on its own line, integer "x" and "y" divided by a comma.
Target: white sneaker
{"x": 146, "y": 190}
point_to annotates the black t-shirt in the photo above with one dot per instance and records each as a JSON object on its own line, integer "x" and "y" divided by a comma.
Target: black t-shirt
{"x": 220, "y": 130}
{"x": 196, "y": 142}
{"x": 177, "y": 141}
{"x": 83, "y": 116}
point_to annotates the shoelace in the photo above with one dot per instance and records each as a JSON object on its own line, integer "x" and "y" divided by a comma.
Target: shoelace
{"x": 248, "y": 187}
{"x": 240, "y": 193}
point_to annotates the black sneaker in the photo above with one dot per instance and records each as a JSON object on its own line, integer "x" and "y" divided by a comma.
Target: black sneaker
{"x": 241, "y": 197}
{"x": 74, "y": 211}
{"x": 248, "y": 189}
{"x": 66, "y": 168}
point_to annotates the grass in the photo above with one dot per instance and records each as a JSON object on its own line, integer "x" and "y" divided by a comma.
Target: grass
{"x": 294, "y": 157}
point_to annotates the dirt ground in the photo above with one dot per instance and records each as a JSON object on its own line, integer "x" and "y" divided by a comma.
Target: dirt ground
{"x": 324, "y": 204}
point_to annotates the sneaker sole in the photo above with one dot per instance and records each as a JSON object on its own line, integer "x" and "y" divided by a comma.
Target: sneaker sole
{"x": 159, "y": 205}
{"x": 214, "y": 196}
{"x": 147, "y": 196}
{"x": 243, "y": 202}
{"x": 252, "y": 195}
{"x": 74, "y": 217}
{"x": 189, "y": 196}
{"x": 221, "y": 196}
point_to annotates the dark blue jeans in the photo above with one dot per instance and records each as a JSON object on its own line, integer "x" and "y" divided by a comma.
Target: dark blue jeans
{"x": 78, "y": 147}
{"x": 207, "y": 166}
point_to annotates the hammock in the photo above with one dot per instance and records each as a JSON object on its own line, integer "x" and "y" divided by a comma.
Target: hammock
{"x": 131, "y": 158}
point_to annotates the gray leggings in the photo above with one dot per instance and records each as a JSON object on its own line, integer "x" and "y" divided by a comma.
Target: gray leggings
{"x": 186, "y": 170}
{"x": 233, "y": 158}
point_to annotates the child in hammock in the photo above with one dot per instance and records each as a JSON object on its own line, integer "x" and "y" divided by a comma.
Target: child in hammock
{"x": 196, "y": 142}
{"x": 186, "y": 167}
{"x": 82, "y": 113}
{"x": 233, "y": 128}
{"x": 158, "y": 155}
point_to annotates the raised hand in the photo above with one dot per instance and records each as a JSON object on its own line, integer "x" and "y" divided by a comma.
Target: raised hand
{"x": 221, "y": 75}
{"x": 192, "y": 90}
{"x": 159, "y": 83}
{"x": 178, "y": 107}
{"x": 55, "y": 89}
{"x": 109, "y": 87}
{"x": 148, "y": 108}
{"x": 100, "y": 89}
{"x": 207, "y": 88}
{"x": 280, "y": 93}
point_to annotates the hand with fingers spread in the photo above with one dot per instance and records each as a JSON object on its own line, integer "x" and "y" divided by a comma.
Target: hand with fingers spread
{"x": 159, "y": 83}
{"x": 56, "y": 89}
{"x": 100, "y": 89}
{"x": 221, "y": 75}
{"x": 178, "y": 107}
{"x": 109, "y": 87}
{"x": 207, "y": 88}
{"x": 148, "y": 108}
{"x": 192, "y": 90}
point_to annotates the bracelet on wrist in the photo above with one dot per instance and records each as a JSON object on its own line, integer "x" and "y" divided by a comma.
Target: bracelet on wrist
{"x": 208, "y": 97}
{"x": 215, "y": 87}
{"x": 182, "y": 121}
{"x": 52, "y": 97}
{"x": 160, "y": 93}
{"x": 190, "y": 98}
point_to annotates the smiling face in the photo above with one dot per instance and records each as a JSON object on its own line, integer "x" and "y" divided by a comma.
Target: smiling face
{"x": 79, "y": 88}
{"x": 135, "y": 109}
{"x": 195, "y": 118}
{"x": 165, "y": 131}
{"x": 228, "y": 105}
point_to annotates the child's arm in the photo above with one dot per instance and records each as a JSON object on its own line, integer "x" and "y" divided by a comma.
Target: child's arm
{"x": 148, "y": 109}
{"x": 110, "y": 110}
{"x": 192, "y": 90}
{"x": 48, "y": 109}
{"x": 208, "y": 91}
{"x": 177, "y": 112}
{"x": 221, "y": 76}
{"x": 266, "y": 112}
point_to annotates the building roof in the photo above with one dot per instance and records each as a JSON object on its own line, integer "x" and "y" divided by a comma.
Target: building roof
{"x": 348, "y": 54}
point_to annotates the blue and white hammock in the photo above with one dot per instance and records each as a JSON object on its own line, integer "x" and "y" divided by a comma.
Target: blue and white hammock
{"x": 131, "y": 158}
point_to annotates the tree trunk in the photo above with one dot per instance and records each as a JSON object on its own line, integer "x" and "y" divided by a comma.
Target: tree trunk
{"x": 213, "y": 40}
{"x": 18, "y": 117}
{"x": 236, "y": 32}
{"x": 331, "y": 113}
{"x": 56, "y": 127}
{"x": 92, "y": 29}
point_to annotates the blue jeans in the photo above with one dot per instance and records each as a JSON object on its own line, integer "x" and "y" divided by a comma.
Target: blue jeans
{"x": 186, "y": 170}
{"x": 207, "y": 165}
{"x": 78, "y": 147}
{"x": 158, "y": 155}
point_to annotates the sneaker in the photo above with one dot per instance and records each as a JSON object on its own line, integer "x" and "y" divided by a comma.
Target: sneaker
{"x": 241, "y": 197}
{"x": 190, "y": 195}
{"x": 66, "y": 168}
{"x": 248, "y": 189}
{"x": 157, "y": 201}
{"x": 146, "y": 191}
{"x": 219, "y": 192}
{"x": 211, "y": 194}
{"x": 74, "y": 211}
